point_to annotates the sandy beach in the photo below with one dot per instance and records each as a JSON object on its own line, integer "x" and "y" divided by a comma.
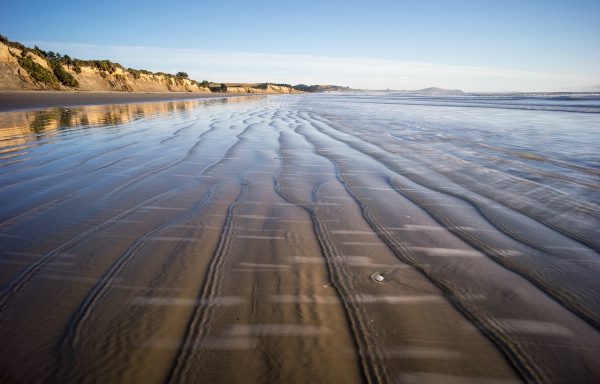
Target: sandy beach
{"x": 24, "y": 100}
{"x": 322, "y": 239}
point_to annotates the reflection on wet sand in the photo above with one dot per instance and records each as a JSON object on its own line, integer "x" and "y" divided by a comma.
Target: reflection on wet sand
{"x": 292, "y": 239}
{"x": 16, "y": 127}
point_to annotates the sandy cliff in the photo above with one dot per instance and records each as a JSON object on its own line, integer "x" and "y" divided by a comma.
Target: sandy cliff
{"x": 253, "y": 88}
{"x": 14, "y": 77}
{"x": 93, "y": 79}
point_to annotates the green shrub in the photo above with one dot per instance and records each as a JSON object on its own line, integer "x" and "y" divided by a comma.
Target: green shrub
{"x": 4, "y": 39}
{"x": 63, "y": 76}
{"x": 49, "y": 55}
{"x": 66, "y": 60}
{"x": 73, "y": 63}
{"x": 183, "y": 75}
{"x": 204, "y": 83}
{"x": 104, "y": 65}
{"x": 135, "y": 73}
{"x": 37, "y": 72}
{"x": 307, "y": 88}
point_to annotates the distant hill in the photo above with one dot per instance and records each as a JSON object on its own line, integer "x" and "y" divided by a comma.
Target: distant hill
{"x": 438, "y": 91}
{"x": 321, "y": 88}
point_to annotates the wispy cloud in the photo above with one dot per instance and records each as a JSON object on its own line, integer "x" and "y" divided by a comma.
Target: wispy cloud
{"x": 366, "y": 73}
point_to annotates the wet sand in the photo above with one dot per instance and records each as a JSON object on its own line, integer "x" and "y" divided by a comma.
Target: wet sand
{"x": 264, "y": 240}
{"x": 24, "y": 100}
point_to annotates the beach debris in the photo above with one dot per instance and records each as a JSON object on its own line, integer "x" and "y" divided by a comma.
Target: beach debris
{"x": 377, "y": 277}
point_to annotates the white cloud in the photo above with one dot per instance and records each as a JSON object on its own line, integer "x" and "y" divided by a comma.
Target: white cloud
{"x": 365, "y": 73}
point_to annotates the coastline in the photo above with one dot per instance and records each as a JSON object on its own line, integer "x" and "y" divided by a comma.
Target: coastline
{"x": 28, "y": 100}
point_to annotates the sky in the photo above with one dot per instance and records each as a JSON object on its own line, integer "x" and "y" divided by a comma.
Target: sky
{"x": 474, "y": 45}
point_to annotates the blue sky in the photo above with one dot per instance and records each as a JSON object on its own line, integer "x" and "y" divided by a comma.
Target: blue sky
{"x": 505, "y": 44}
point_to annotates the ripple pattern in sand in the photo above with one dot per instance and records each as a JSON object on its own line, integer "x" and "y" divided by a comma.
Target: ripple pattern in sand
{"x": 294, "y": 239}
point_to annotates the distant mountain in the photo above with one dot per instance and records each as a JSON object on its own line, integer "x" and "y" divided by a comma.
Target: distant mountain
{"x": 438, "y": 91}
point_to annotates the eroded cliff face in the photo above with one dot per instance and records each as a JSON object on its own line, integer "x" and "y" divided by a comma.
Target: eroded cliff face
{"x": 93, "y": 79}
{"x": 12, "y": 76}
{"x": 15, "y": 75}
{"x": 270, "y": 88}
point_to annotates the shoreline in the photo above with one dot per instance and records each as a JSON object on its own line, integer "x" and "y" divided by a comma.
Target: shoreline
{"x": 31, "y": 100}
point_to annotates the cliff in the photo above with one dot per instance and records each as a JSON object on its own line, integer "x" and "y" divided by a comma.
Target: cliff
{"x": 252, "y": 88}
{"x": 23, "y": 68}
{"x": 322, "y": 88}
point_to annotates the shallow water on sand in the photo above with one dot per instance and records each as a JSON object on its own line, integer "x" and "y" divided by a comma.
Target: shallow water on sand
{"x": 321, "y": 238}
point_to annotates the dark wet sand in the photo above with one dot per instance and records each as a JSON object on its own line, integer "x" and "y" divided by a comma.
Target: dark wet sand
{"x": 260, "y": 241}
{"x": 23, "y": 100}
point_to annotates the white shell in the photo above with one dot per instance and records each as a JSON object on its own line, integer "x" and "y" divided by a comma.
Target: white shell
{"x": 377, "y": 277}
